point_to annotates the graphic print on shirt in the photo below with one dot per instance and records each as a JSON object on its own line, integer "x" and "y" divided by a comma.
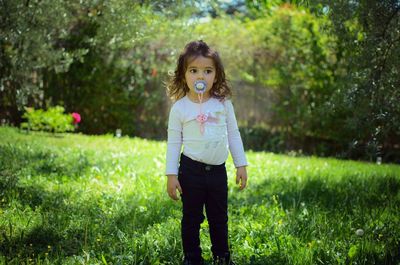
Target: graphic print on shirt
{"x": 214, "y": 126}
{"x": 211, "y": 118}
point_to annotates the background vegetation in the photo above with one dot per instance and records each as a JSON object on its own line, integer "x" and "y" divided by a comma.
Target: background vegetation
{"x": 75, "y": 199}
{"x": 315, "y": 77}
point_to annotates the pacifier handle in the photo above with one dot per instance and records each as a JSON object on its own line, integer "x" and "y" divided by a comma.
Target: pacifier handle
{"x": 200, "y": 87}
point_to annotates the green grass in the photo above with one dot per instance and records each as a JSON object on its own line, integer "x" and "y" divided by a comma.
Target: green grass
{"x": 75, "y": 199}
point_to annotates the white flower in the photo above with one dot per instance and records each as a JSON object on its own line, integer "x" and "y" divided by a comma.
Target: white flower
{"x": 359, "y": 232}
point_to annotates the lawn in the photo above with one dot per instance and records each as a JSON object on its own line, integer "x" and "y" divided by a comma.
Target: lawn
{"x": 78, "y": 199}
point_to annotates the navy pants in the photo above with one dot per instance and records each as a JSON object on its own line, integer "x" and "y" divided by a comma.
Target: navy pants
{"x": 203, "y": 186}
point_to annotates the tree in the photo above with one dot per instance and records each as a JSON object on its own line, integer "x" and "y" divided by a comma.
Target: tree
{"x": 367, "y": 76}
{"x": 32, "y": 33}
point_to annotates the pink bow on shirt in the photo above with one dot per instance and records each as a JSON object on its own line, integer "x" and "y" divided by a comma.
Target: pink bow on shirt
{"x": 202, "y": 118}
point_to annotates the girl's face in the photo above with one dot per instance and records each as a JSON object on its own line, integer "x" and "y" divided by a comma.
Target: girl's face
{"x": 200, "y": 68}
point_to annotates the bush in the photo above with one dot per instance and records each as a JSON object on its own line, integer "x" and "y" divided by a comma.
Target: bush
{"x": 53, "y": 120}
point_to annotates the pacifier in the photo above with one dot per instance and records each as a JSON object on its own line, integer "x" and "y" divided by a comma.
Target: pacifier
{"x": 200, "y": 86}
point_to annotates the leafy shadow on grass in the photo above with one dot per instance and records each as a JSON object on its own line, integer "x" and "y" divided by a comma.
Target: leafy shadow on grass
{"x": 68, "y": 225}
{"x": 24, "y": 160}
{"x": 52, "y": 228}
{"x": 352, "y": 191}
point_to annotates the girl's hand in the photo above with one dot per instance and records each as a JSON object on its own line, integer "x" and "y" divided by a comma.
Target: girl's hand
{"x": 241, "y": 177}
{"x": 172, "y": 186}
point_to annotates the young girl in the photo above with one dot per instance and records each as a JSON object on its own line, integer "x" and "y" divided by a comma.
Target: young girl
{"x": 203, "y": 120}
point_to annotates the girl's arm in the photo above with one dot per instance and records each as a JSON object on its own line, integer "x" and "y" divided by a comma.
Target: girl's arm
{"x": 174, "y": 146}
{"x": 236, "y": 146}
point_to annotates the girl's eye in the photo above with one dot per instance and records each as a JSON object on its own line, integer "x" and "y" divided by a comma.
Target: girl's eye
{"x": 208, "y": 71}
{"x": 193, "y": 71}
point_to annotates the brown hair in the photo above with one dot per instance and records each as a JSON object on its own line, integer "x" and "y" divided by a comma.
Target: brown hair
{"x": 177, "y": 87}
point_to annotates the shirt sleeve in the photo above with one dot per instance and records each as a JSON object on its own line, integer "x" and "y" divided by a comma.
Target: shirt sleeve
{"x": 234, "y": 139}
{"x": 174, "y": 143}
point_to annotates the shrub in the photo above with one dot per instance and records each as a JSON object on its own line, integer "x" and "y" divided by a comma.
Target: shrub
{"x": 53, "y": 120}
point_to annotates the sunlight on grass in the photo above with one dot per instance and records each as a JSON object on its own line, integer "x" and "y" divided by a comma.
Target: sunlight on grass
{"x": 77, "y": 199}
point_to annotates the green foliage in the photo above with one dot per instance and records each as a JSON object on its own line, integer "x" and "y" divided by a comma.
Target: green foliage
{"x": 320, "y": 73}
{"x": 366, "y": 76}
{"x": 89, "y": 199}
{"x": 32, "y": 36}
{"x": 51, "y": 120}
{"x": 294, "y": 61}
{"x": 119, "y": 84}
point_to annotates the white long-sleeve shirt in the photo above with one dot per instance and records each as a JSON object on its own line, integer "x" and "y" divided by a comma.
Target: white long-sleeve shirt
{"x": 220, "y": 135}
